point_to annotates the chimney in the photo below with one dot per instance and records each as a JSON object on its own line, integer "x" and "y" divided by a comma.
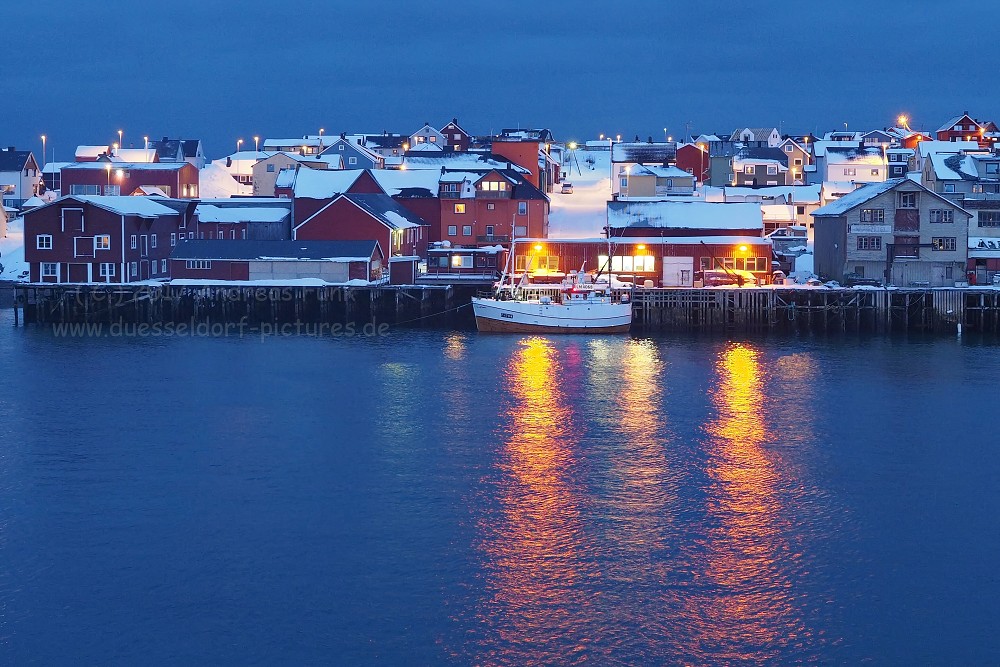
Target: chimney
{"x": 164, "y": 140}
{"x": 455, "y": 121}
{"x": 11, "y": 149}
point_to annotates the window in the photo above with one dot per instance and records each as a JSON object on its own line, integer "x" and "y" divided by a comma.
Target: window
{"x": 800, "y": 210}
{"x": 993, "y": 168}
{"x": 949, "y": 187}
{"x": 221, "y": 234}
{"x": 989, "y": 218}
{"x": 352, "y": 160}
{"x": 199, "y": 264}
{"x": 797, "y": 162}
{"x": 624, "y": 182}
{"x": 949, "y": 273}
{"x": 522, "y": 208}
{"x": 943, "y": 243}
{"x": 43, "y": 242}
{"x": 102, "y": 242}
{"x": 85, "y": 189}
{"x": 772, "y": 169}
{"x": 772, "y": 182}
{"x": 493, "y": 186}
{"x": 135, "y": 242}
{"x": 851, "y": 172}
{"x": 466, "y": 230}
{"x": 173, "y": 239}
{"x": 520, "y": 230}
{"x": 133, "y": 269}
{"x": 190, "y": 235}
{"x": 748, "y": 169}
{"x": 788, "y": 148}
{"x": 107, "y": 270}
{"x": 873, "y": 215}
{"x": 456, "y": 136}
{"x": 452, "y": 230}
{"x": 433, "y": 139}
{"x": 152, "y": 241}
{"x": 869, "y": 243}
{"x": 907, "y": 200}
{"x": 270, "y": 168}
{"x": 942, "y": 215}
{"x": 112, "y": 190}
{"x": 49, "y": 269}
{"x": 459, "y": 208}
{"x": 491, "y": 206}
{"x": 874, "y": 172}
{"x": 644, "y": 263}
{"x": 163, "y": 266}
{"x": 489, "y": 230}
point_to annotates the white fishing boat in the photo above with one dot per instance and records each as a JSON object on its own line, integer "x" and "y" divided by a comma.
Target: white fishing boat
{"x": 579, "y": 306}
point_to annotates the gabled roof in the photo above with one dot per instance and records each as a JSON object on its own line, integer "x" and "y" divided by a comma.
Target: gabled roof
{"x": 363, "y": 150}
{"x": 386, "y": 140}
{"x": 13, "y": 160}
{"x": 925, "y": 148}
{"x": 954, "y": 167}
{"x": 247, "y": 250}
{"x": 868, "y": 192}
{"x": 425, "y": 147}
{"x": 454, "y": 122}
{"x": 385, "y": 209}
{"x": 138, "y": 155}
{"x": 955, "y": 121}
{"x": 90, "y": 151}
{"x": 661, "y": 172}
{"x": 643, "y": 153}
{"x": 130, "y": 166}
{"x": 407, "y": 183}
{"x": 233, "y": 214}
{"x": 759, "y": 133}
{"x": 143, "y": 207}
{"x": 854, "y": 155}
{"x": 460, "y": 161}
{"x": 167, "y": 148}
{"x": 318, "y": 183}
{"x": 760, "y": 153}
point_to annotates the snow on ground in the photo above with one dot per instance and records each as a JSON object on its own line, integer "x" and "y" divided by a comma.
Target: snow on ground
{"x": 582, "y": 214}
{"x": 214, "y": 182}
{"x": 12, "y": 252}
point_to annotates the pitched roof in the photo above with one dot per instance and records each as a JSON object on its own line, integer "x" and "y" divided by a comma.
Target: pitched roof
{"x": 385, "y": 209}
{"x": 759, "y": 133}
{"x": 212, "y": 213}
{"x": 952, "y": 122}
{"x": 319, "y": 183}
{"x": 167, "y": 148}
{"x": 13, "y": 160}
{"x": 460, "y": 161}
{"x": 954, "y": 167}
{"x": 275, "y": 250}
{"x": 868, "y": 192}
{"x": 132, "y": 166}
{"x": 661, "y": 172}
{"x": 143, "y": 207}
{"x": 190, "y": 147}
{"x": 408, "y": 182}
{"x": 643, "y": 153}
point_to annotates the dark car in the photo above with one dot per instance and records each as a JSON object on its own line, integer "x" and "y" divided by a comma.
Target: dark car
{"x": 854, "y": 279}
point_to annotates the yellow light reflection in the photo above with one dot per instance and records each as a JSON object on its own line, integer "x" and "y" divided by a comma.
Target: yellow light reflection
{"x": 454, "y": 347}
{"x": 750, "y": 615}
{"x": 533, "y": 552}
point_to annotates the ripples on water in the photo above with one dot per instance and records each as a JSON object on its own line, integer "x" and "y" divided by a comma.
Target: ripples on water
{"x": 490, "y": 500}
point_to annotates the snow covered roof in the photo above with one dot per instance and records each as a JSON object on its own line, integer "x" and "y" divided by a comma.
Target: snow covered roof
{"x": 150, "y": 191}
{"x": 952, "y": 122}
{"x": 134, "y": 155}
{"x": 54, "y": 167}
{"x": 643, "y": 153}
{"x": 223, "y": 249}
{"x": 143, "y": 207}
{"x": 706, "y": 138}
{"x": 399, "y": 182}
{"x": 795, "y": 194}
{"x": 684, "y": 215}
{"x": 33, "y": 202}
{"x": 278, "y": 144}
{"x": 854, "y": 155}
{"x": 925, "y": 148}
{"x": 759, "y": 133}
{"x": 954, "y": 167}
{"x": 132, "y": 166}
{"x": 460, "y": 161}
{"x": 661, "y": 172}
{"x": 232, "y": 214}
{"x": 820, "y": 147}
{"x": 385, "y": 208}
{"x": 318, "y": 183}
{"x": 868, "y": 192}
{"x": 778, "y": 212}
{"x": 425, "y": 147}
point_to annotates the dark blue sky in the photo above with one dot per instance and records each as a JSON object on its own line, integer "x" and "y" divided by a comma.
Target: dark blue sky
{"x": 78, "y": 70}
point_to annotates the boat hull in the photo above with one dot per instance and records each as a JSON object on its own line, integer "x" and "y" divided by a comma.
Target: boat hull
{"x": 532, "y": 317}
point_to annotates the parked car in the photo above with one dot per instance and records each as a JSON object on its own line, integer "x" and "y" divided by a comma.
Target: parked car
{"x": 720, "y": 277}
{"x": 853, "y": 279}
{"x": 566, "y": 189}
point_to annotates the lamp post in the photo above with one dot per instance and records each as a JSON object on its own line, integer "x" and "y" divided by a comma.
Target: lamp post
{"x": 239, "y": 142}
{"x": 701, "y": 163}
{"x": 120, "y": 138}
{"x": 43, "y": 151}
{"x": 321, "y": 139}
{"x": 145, "y": 142}
{"x": 256, "y": 144}
{"x": 107, "y": 168}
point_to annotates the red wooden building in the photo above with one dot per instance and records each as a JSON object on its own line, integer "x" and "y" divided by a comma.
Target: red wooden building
{"x": 485, "y": 208}
{"x": 965, "y": 128}
{"x": 694, "y": 159}
{"x": 363, "y": 216}
{"x": 101, "y": 239}
{"x": 174, "y": 179}
{"x": 455, "y": 138}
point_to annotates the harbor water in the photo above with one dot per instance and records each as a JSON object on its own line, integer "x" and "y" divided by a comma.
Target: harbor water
{"x": 440, "y": 497}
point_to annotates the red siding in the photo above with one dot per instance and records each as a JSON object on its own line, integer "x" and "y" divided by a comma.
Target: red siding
{"x": 692, "y": 159}
{"x": 478, "y": 215}
{"x": 179, "y": 181}
{"x": 342, "y": 220}
{"x": 522, "y": 153}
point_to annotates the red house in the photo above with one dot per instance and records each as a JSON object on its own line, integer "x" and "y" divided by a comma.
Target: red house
{"x": 694, "y": 159}
{"x": 964, "y": 128}
{"x": 522, "y": 152}
{"x": 100, "y": 239}
{"x": 455, "y": 137}
{"x": 490, "y": 207}
{"x": 175, "y": 179}
{"x": 357, "y": 217}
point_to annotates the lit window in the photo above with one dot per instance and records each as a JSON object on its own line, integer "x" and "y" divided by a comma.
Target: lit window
{"x": 522, "y": 208}
{"x": 459, "y": 208}
{"x": 102, "y": 242}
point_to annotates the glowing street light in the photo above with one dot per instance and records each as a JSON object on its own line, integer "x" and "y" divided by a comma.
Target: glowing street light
{"x": 256, "y": 144}
{"x": 107, "y": 168}
{"x": 145, "y": 142}
{"x": 120, "y": 143}
{"x": 43, "y": 150}
{"x": 321, "y": 137}
{"x": 538, "y": 248}
{"x": 239, "y": 142}
{"x": 572, "y": 145}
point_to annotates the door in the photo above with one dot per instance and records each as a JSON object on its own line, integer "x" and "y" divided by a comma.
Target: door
{"x": 678, "y": 271}
{"x": 938, "y": 277}
{"x": 144, "y": 269}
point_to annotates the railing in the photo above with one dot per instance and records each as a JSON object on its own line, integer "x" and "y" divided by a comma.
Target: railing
{"x": 492, "y": 194}
{"x": 488, "y": 238}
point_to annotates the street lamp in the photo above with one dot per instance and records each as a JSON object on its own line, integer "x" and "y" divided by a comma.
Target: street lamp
{"x": 665, "y": 134}
{"x": 145, "y": 142}
{"x": 256, "y": 144}
{"x": 701, "y": 163}
{"x": 120, "y": 138}
{"x": 107, "y": 168}
{"x": 43, "y": 151}
{"x": 321, "y": 137}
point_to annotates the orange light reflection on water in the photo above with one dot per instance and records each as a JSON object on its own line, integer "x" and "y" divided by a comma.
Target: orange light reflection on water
{"x": 533, "y": 551}
{"x": 747, "y": 612}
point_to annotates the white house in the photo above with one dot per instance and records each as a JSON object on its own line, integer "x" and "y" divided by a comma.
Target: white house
{"x": 19, "y": 176}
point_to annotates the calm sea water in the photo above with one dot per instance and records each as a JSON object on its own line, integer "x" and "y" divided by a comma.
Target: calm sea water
{"x": 451, "y": 498}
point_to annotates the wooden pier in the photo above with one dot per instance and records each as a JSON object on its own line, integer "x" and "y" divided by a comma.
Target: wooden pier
{"x": 724, "y": 310}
